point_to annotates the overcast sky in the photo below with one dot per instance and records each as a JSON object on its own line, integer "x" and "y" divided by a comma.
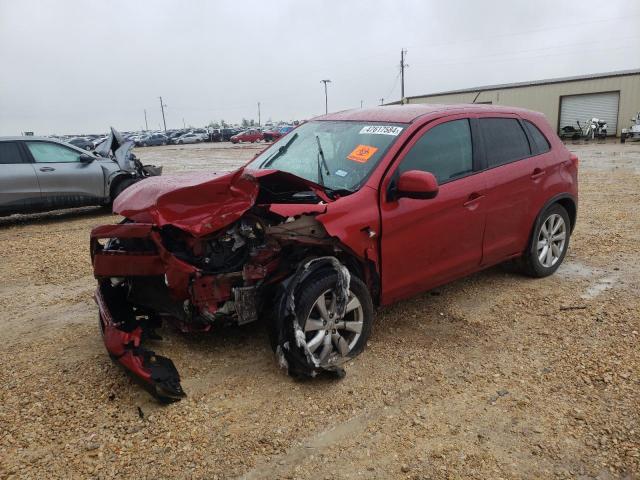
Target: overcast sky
{"x": 80, "y": 66}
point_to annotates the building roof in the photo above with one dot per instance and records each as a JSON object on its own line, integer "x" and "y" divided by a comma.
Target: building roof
{"x": 619, "y": 73}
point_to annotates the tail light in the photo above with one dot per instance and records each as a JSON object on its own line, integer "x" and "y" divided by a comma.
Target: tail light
{"x": 574, "y": 159}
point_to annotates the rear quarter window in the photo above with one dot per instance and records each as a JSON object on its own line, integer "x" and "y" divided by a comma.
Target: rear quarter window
{"x": 505, "y": 141}
{"x": 540, "y": 143}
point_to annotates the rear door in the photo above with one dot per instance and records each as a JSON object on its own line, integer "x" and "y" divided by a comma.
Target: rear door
{"x": 19, "y": 189}
{"x": 64, "y": 180}
{"x": 514, "y": 174}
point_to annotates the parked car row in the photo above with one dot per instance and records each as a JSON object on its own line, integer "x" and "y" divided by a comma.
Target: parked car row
{"x": 184, "y": 136}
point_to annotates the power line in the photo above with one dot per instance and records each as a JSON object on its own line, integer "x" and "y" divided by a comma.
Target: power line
{"x": 326, "y": 101}
{"x": 162, "y": 105}
{"x": 403, "y": 52}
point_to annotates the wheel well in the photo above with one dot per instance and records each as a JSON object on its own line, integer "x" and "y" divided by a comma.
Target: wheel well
{"x": 115, "y": 182}
{"x": 571, "y": 209}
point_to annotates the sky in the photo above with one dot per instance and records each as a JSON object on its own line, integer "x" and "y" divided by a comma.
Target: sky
{"x": 81, "y": 66}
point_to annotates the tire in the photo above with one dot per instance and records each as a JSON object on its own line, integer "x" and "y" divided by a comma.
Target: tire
{"x": 323, "y": 283}
{"x": 180, "y": 142}
{"x": 531, "y": 262}
{"x": 120, "y": 187}
{"x": 623, "y": 138}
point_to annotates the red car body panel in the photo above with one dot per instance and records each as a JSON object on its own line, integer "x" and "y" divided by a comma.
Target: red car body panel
{"x": 248, "y": 136}
{"x": 402, "y": 246}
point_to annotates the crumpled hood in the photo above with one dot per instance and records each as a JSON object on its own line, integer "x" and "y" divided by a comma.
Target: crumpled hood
{"x": 200, "y": 203}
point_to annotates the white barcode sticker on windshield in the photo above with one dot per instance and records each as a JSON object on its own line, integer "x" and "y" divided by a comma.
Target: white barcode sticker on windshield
{"x": 381, "y": 130}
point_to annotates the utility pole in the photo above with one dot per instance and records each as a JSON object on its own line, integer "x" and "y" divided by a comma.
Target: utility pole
{"x": 145, "y": 120}
{"x": 184, "y": 125}
{"x": 403, "y": 65}
{"x": 360, "y": 103}
{"x": 382, "y": 101}
{"x": 162, "y": 105}
{"x": 258, "y": 113}
{"x": 326, "y": 101}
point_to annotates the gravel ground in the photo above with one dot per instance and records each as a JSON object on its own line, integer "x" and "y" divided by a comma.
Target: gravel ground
{"x": 494, "y": 376}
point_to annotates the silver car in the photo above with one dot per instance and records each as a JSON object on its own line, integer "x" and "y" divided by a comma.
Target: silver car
{"x": 40, "y": 174}
{"x": 190, "y": 138}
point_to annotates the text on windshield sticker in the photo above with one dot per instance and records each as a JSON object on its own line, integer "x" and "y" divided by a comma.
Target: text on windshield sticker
{"x": 381, "y": 130}
{"x": 362, "y": 153}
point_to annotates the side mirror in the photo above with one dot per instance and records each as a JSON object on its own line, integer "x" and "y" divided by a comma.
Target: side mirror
{"x": 86, "y": 158}
{"x": 417, "y": 184}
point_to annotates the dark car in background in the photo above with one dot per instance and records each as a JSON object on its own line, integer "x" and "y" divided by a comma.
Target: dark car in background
{"x": 152, "y": 140}
{"x": 275, "y": 133}
{"x": 84, "y": 143}
{"x": 227, "y": 133}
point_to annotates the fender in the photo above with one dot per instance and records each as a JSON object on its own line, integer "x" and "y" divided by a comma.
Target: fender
{"x": 550, "y": 202}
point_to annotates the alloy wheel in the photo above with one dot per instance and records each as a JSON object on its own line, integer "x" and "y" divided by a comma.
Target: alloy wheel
{"x": 326, "y": 333}
{"x": 551, "y": 240}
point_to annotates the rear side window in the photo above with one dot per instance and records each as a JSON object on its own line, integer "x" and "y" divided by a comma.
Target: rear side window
{"x": 540, "y": 142}
{"x": 505, "y": 140}
{"x": 445, "y": 151}
{"x": 9, "y": 153}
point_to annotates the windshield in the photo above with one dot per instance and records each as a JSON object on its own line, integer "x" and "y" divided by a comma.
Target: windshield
{"x": 337, "y": 154}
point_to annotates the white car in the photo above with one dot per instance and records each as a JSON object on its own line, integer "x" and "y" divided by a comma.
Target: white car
{"x": 189, "y": 138}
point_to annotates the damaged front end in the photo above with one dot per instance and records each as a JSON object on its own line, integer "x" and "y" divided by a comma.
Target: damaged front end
{"x": 200, "y": 253}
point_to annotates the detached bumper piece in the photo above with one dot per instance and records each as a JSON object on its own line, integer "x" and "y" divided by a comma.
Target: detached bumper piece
{"x": 123, "y": 338}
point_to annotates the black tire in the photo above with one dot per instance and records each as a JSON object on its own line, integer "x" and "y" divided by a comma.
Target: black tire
{"x": 530, "y": 263}
{"x": 326, "y": 279}
{"x": 120, "y": 187}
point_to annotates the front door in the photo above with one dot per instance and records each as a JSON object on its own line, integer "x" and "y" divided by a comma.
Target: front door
{"x": 426, "y": 243}
{"x": 64, "y": 180}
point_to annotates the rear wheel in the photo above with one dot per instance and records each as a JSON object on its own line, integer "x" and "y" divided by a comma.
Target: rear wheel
{"x": 549, "y": 243}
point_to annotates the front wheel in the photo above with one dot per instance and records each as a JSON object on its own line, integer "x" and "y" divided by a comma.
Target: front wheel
{"x": 120, "y": 187}
{"x": 549, "y": 243}
{"x": 332, "y": 339}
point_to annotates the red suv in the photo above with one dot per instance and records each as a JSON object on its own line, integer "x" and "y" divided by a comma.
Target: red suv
{"x": 350, "y": 210}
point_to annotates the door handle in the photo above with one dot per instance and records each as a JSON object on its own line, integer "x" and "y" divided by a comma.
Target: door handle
{"x": 537, "y": 173}
{"x": 474, "y": 197}
{"x": 47, "y": 169}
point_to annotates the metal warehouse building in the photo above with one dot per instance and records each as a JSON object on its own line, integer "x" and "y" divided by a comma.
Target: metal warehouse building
{"x": 614, "y": 97}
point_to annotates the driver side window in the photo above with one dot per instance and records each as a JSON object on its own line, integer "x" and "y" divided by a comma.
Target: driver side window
{"x": 445, "y": 150}
{"x": 44, "y": 152}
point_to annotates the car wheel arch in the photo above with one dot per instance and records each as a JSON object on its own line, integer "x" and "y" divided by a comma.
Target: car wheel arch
{"x": 567, "y": 201}
{"x": 116, "y": 182}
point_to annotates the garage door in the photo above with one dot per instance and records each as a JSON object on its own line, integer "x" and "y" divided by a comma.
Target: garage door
{"x": 584, "y": 107}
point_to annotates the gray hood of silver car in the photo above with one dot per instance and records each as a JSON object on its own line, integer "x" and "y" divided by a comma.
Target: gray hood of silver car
{"x": 121, "y": 149}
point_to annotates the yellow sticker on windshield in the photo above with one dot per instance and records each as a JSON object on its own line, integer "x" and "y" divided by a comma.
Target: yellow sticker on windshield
{"x": 362, "y": 153}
